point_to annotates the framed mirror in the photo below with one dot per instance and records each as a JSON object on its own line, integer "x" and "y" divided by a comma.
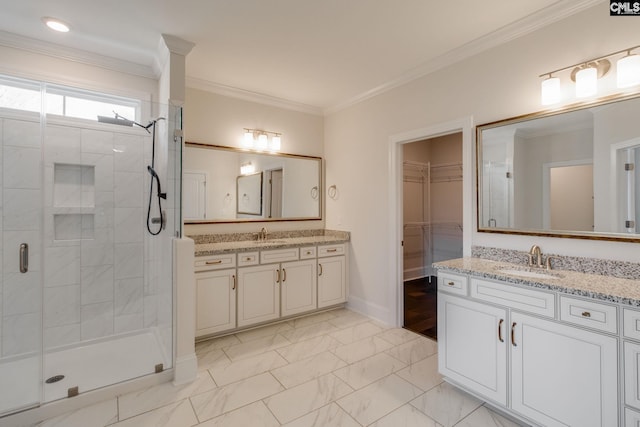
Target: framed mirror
{"x": 573, "y": 173}
{"x": 226, "y": 184}
{"x": 249, "y": 195}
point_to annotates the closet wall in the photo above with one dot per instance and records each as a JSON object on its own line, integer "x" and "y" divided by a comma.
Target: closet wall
{"x": 432, "y": 203}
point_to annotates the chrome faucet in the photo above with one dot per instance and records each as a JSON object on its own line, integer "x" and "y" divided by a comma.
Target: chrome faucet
{"x": 262, "y": 235}
{"x": 537, "y": 253}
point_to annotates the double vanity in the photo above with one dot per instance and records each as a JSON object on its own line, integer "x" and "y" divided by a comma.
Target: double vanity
{"x": 550, "y": 347}
{"x": 244, "y": 280}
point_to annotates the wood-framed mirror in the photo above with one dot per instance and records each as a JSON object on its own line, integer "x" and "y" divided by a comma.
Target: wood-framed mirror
{"x": 573, "y": 173}
{"x": 215, "y": 190}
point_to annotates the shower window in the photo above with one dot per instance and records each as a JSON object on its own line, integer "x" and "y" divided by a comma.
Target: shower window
{"x": 17, "y": 94}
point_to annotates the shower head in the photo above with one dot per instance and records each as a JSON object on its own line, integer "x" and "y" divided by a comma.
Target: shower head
{"x": 118, "y": 120}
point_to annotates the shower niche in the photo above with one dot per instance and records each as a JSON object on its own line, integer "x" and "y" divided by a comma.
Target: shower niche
{"x": 73, "y": 201}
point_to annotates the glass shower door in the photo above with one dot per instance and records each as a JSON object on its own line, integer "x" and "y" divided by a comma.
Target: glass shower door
{"x": 21, "y": 269}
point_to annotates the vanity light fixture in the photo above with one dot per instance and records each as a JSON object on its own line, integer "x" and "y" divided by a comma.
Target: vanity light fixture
{"x": 56, "y": 24}
{"x": 586, "y": 75}
{"x": 259, "y": 139}
{"x": 247, "y": 168}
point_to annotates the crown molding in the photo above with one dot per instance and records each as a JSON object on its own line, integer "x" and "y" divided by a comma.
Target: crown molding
{"x": 250, "y": 96}
{"x": 16, "y": 41}
{"x": 519, "y": 28}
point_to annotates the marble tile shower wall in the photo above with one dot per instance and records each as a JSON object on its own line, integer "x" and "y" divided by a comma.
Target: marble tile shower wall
{"x": 95, "y": 247}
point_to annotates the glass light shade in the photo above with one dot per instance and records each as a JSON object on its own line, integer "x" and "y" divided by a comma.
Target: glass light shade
{"x": 247, "y": 142}
{"x": 262, "y": 141}
{"x": 275, "y": 143}
{"x": 586, "y": 82}
{"x": 550, "y": 91}
{"x": 628, "y": 73}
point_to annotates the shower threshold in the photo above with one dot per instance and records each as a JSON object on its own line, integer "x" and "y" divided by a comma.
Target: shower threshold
{"x": 87, "y": 366}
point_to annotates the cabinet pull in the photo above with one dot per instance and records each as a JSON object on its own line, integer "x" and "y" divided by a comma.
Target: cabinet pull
{"x": 277, "y": 276}
{"x": 513, "y": 334}
{"x": 500, "y": 330}
{"x": 308, "y": 252}
{"x": 284, "y": 275}
{"x": 451, "y": 284}
{"x": 234, "y": 283}
{"x": 586, "y": 314}
{"x": 332, "y": 250}
{"x": 24, "y": 258}
{"x": 218, "y": 261}
{"x": 248, "y": 258}
{"x": 320, "y": 268}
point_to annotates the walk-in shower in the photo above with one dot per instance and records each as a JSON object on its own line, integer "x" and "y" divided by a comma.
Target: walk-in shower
{"x": 86, "y": 292}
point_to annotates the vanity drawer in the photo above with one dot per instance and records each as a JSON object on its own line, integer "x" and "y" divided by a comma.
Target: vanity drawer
{"x": 331, "y": 250}
{"x": 248, "y": 258}
{"x": 528, "y": 300}
{"x": 631, "y": 324}
{"x": 308, "y": 252}
{"x": 215, "y": 262}
{"x": 452, "y": 283}
{"x": 278, "y": 255}
{"x": 589, "y": 314}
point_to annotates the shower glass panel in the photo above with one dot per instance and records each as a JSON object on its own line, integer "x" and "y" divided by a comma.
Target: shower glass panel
{"x": 95, "y": 307}
{"x": 20, "y": 227}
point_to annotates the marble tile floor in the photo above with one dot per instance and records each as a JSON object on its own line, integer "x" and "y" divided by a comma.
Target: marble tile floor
{"x": 336, "y": 368}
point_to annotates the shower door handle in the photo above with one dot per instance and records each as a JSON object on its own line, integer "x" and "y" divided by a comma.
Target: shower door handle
{"x": 24, "y": 258}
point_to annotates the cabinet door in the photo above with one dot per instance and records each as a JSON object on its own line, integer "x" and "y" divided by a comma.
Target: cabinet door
{"x": 332, "y": 281}
{"x": 561, "y": 375}
{"x": 298, "y": 287}
{"x": 632, "y": 374}
{"x": 258, "y": 296}
{"x": 216, "y": 301}
{"x": 472, "y": 346}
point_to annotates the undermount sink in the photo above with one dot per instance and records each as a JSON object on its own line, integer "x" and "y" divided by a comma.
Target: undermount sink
{"x": 529, "y": 273}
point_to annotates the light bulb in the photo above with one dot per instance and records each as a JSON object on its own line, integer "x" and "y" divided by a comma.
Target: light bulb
{"x": 247, "y": 142}
{"x": 586, "y": 82}
{"x": 550, "y": 91}
{"x": 56, "y": 24}
{"x": 628, "y": 73}
{"x": 262, "y": 141}
{"x": 275, "y": 143}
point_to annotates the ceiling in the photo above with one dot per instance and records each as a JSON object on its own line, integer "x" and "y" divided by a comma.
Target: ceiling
{"x": 320, "y": 54}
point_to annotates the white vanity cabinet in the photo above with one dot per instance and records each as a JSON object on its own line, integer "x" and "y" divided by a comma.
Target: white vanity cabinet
{"x": 254, "y": 287}
{"x": 562, "y": 375}
{"x": 332, "y": 275}
{"x": 631, "y": 349}
{"x": 216, "y": 287}
{"x": 472, "y": 345}
{"x": 298, "y": 287}
{"x": 258, "y": 294}
{"x": 509, "y": 345}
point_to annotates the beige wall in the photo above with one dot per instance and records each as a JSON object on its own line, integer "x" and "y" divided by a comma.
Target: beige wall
{"x": 499, "y": 83}
{"x": 215, "y": 119}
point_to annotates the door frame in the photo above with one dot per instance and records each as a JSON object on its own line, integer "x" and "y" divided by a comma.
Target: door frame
{"x": 462, "y": 125}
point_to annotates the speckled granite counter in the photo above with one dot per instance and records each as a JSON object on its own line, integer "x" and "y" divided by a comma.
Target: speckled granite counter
{"x": 216, "y": 244}
{"x": 606, "y": 288}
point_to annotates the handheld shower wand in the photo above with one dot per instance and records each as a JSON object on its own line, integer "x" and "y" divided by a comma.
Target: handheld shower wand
{"x": 154, "y": 178}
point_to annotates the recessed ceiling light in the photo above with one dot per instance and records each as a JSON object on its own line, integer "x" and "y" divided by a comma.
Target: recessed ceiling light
{"x": 56, "y": 24}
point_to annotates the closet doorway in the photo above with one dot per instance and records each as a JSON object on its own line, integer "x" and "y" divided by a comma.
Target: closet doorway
{"x": 432, "y": 223}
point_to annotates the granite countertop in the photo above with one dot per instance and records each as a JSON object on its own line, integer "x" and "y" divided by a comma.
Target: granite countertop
{"x": 275, "y": 242}
{"x": 606, "y": 288}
